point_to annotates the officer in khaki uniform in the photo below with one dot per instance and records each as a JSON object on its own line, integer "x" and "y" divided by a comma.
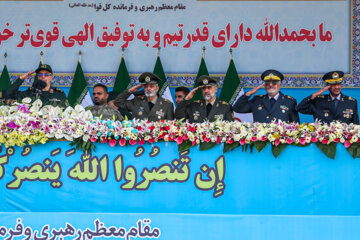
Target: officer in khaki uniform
{"x": 101, "y": 109}
{"x": 151, "y": 106}
{"x": 272, "y": 106}
{"x": 333, "y": 106}
{"x": 40, "y": 90}
{"x": 211, "y": 108}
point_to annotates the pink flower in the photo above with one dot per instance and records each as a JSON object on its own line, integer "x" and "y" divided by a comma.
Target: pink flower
{"x": 112, "y": 142}
{"x": 142, "y": 141}
{"x": 302, "y": 141}
{"x": 132, "y": 142}
{"x": 230, "y": 141}
{"x": 325, "y": 141}
{"x": 218, "y": 140}
{"x": 242, "y": 141}
{"x": 151, "y": 140}
{"x": 179, "y": 140}
{"x": 185, "y": 137}
{"x": 289, "y": 141}
{"x": 194, "y": 143}
{"x": 347, "y": 143}
{"x": 122, "y": 142}
{"x": 263, "y": 138}
{"x": 314, "y": 139}
{"x": 277, "y": 142}
{"x": 12, "y": 125}
{"x": 103, "y": 140}
{"x": 337, "y": 140}
{"x": 92, "y": 139}
{"x": 254, "y": 139}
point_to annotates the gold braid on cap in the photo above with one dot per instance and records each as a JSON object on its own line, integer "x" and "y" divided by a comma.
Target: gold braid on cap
{"x": 271, "y": 77}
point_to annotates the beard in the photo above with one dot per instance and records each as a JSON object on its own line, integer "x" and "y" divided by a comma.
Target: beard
{"x": 207, "y": 97}
{"x": 150, "y": 93}
{"x": 272, "y": 91}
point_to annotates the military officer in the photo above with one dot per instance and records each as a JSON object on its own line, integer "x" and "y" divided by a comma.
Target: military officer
{"x": 101, "y": 108}
{"x": 151, "y": 106}
{"x": 272, "y": 106}
{"x": 211, "y": 108}
{"x": 333, "y": 106}
{"x": 41, "y": 89}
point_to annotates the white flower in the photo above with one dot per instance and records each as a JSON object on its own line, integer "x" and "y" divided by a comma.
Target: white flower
{"x": 26, "y": 100}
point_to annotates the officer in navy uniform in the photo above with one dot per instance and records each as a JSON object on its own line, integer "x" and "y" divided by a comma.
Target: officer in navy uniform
{"x": 211, "y": 108}
{"x": 151, "y": 106}
{"x": 272, "y": 106}
{"x": 333, "y": 106}
{"x": 40, "y": 90}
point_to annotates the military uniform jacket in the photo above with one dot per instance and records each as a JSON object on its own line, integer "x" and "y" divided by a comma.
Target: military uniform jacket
{"x": 195, "y": 111}
{"x": 106, "y": 112}
{"x": 53, "y": 97}
{"x": 284, "y": 109}
{"x": 139, "y": 107}
{"x": 323, "y": 108}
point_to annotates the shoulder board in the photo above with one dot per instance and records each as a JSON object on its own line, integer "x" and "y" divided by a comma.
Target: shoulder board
{"x": 197, "y": 101}
{"x": 290, "y": 97}
{"x": 321, "y": 96}
{"x": 141, "y": 97}
{"x": 352, "y": 99}
{"x": 59, "y": 90}
{"x": 166, "y": 100}
{"x": 261, "y": 95}
{"x": 223, "y": 102}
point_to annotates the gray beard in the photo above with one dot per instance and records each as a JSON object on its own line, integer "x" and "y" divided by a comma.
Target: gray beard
{"x": 150, "y": 94}
{"x": 208, "y": 97}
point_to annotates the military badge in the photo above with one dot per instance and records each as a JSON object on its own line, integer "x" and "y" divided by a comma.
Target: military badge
{"x": 205, "y": 81}
{"x": 147, "y": 79}
{"x": 348, "y": 113}
{"x": 160, "y": 113}
{"x": 196, "y": 115}
{"x": 326, "y": 114}
{"x": 219, "y": 116}
{"x": 284, "y": 108}
{"x": 260, "y": 108}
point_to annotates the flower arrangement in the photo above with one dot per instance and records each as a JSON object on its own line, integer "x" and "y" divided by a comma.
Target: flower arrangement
{"x": 31, "y": 123}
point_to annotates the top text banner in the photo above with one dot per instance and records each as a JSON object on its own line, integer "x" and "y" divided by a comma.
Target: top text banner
{"x": 291, "y": 36}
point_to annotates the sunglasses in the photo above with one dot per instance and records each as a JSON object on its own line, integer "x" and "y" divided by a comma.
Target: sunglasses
{"x": 273, "y": 82}
{"x": 44, "y": 74}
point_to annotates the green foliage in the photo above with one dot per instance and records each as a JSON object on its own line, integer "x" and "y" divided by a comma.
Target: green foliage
{"x": 328, "y": 149}
{"x": 276, "y": 150}
{"x": 206, "y": 146}
{"x": 229, "y": 147}
{"x": 354, "y": 150}
{"x": 260, "y": 145}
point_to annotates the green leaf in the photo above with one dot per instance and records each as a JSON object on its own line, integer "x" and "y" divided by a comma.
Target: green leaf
{"x": 229, "y": 147}
{"x": 207, "y": 146}
{"x": 276, "y": 150}
{"x": 185, "y": 145}
{"x": 354, "y": 150}
{"x": 328, "y": 149}
{"x": 260, "y": 145}
{"x": 300, "y": 145}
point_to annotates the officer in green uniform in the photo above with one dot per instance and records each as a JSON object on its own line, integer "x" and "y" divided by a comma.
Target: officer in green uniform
{"x": 101, "y": 109}
{"x": 151, "y": 106}
{"x": 273, "y": 106}
{"x": 333, "y": 106}
{"x": 40, "y": 90}
{"x": 210, "y": 108}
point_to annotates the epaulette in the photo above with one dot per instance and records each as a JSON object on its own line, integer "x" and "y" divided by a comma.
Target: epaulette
{"x": 223, "y": 102}
{"x": 352, "y": 99}
{"x": 59, "y": 90}
{"x": 141, "y": 97}
{"x": 197, "y": 101}
{"x": 261, "y": 95}
{"x": 321, "y": 96}
{"x": 290, "y": 97}
{"x": 166, "y": 100}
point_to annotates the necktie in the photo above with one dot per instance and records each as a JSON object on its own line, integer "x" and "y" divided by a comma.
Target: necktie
{"x": 208, "y": 109}
{"x": 151, "y": 105}
{"x": 336, "y": 102}
{"x": 272, "y": 102}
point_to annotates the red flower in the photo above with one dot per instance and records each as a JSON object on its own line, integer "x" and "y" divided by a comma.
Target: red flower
{"x": 112, "y": 142}
{"x": 142, "y": 141}
{"x": 132, "y": 142}
{"x": 122, "y": 142}
{"x": 242, "y": 141}
{"x": 325, "y": 141}
{"x": 151, "y": 140}
{"x": 103, "y": 140}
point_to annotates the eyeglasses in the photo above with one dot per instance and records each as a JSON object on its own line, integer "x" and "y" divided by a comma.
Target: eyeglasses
{"x": 44, "y": 74}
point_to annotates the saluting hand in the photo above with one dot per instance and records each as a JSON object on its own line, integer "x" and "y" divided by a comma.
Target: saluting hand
{"x": 26, "y": 75}
{"x": 318, "y": 93}
{"x": 191, "y": 94}
{"x": 135, "y": 88}
{"x": 254, "y": 90}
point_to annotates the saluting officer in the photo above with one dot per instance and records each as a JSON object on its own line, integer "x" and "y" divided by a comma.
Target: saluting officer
{"x": 333, "y": 106}
{"x": 272, "y": 106}
{"x": 41, "y": 89}
{"x": 151, "y": 106}
{"x": 211, "y": 108}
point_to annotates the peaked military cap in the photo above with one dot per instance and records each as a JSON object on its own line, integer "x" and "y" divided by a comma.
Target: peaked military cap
{"x": 333, "y": 77}
{"x": 148, "y": 78}
{"x": 45, "y": 67}
{"x": 206, "y": 81}
{"x": 272, "y": 74}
